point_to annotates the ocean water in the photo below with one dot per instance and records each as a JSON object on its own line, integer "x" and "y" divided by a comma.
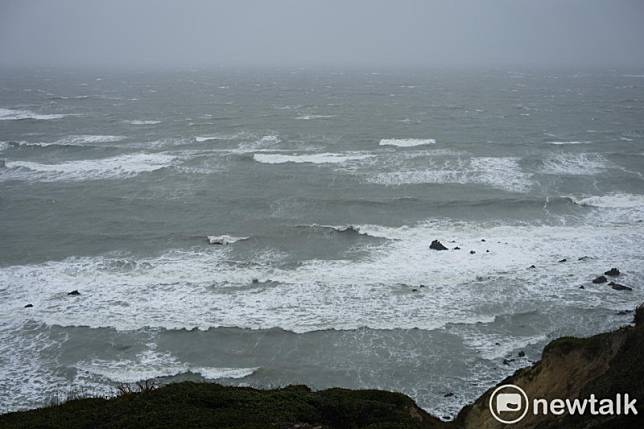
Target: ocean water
{"x": 328, "y": 187}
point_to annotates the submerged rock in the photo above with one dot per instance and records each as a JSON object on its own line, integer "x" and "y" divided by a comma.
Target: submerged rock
{"x": 532, "y": 267}
{"x": 456, "y": 248}
{"x": 583, "y": 258}
{"x": 617, "y": 286}
{"x": 613, "y": 272}
{"x": 600, "y": 279}
{"x": 472, "y": 252}
{"x": 521, "y": 353}
{"x": 437, "y": 245}
{"x": 563, "y": 260}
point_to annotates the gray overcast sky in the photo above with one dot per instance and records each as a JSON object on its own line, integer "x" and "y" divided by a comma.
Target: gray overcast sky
{"x": 315, "y": 32}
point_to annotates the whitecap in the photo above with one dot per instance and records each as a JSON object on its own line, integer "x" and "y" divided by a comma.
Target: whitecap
{"x": 314, "y": 158}
{"x": 15, "y": 115}
{"x": 77, "y": 140}
{"x": 309, "y": 117}
{"x": 499, "y": 172}
{"x": 152, "y": 364}
{"x": 142, "y": 122}
{"x": 574, "y": 164}
{"x": 224, "y": 239}
{"x": 116, "y": 167}
{"x": 559, "y": 143}
{"x": 406, "y": 142}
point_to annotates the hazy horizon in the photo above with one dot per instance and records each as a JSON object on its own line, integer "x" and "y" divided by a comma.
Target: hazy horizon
{"x": 289, "y": 33}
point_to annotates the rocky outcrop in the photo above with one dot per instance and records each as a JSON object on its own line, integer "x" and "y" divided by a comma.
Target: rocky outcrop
{"x": 600, "y": 279}
{"x": 603, "y": 365}
{"x": 617, "y": 286}
{"x": 437, "y": 245}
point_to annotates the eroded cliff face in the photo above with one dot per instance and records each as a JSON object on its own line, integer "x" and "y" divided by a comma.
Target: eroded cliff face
{"x": 603, "y": 365}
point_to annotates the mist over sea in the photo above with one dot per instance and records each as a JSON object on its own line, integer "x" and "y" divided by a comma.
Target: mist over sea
{"x": 329, "y": 186}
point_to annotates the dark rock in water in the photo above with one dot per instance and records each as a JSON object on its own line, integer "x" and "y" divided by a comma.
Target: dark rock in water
{"x": 472, "y": 252}
{"x": 583, "y": 258}
{"x": 74, "y": 293}
{"x": 563, "y": 260}
{"x": 532, "y": 267}
{"x": 582, "y": 287}
{"x": 613, "y": 272}
{"x": 600, "y": 279}
{"x": 29, "y": 305}
{"x": 421, "y": 286}
{"x": 497, "y": 344}
{"x": 456, "y": 248}
{"x": 483, "y": 240}
{"x": 617, "y": 286}
{"x": 487, "y": 251}
{"x": 521, "y": 353}
{"x": 507, "y": 361}
{"x": 255, "y": 281}
{"x": 448, "y": 395}
{"x": 624, "y": 312}
{"x": 437, "y": 245}
{"x": 414, "y": 290}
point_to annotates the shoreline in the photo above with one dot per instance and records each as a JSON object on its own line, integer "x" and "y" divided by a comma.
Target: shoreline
{"x": 570, "y": 367}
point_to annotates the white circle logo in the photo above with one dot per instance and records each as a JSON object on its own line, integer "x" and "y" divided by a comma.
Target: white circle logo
{"x": 506, "y": 402}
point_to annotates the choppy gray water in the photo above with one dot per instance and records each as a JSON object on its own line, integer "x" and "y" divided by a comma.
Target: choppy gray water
{"x": 338, "y": 181}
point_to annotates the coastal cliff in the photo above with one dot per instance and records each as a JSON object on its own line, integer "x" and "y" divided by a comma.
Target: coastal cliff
{"x": 603, "y": 365}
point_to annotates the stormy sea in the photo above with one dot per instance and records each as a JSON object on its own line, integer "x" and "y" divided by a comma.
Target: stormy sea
{"x": 273, "y": 227}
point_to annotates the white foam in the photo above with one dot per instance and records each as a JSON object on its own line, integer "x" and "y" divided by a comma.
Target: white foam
{"x": 117, "y": 167}
{"x": 78, "y": 140}
{"x": 152, "y": 364}
{"x": 504, "y": 173}
{"x": 559, "y": 143}
{"x": 574, "y": 164}
{"x": 142, "y": 122}
{"x": 262, "y": 143}
{"x": 314, "y": 158}
{"x": 309, "y": 117}
{"x": 406, "y": 142}
{"x": 622, "y": 201}
{"x": 15, "y": 114}
{"x": 206, "y": 287}
{"x": 205, "y": 139}
{"x": 224, "y": 239}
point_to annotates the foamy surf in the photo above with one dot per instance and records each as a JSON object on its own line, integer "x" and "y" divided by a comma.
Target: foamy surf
{"x": 224, "y": 239}
{"x": 574, "y": 164}
{"x": 16, "y": 115}
{"x": 152, "y": 364}
{"x": 315, "y": 158}
{"x": 503, "y": 173}
{"x": 117, "y": 167}
{"x": 76, "y": 140}
{"x": 205, "y": 287}
{"x": 406, "y": 142}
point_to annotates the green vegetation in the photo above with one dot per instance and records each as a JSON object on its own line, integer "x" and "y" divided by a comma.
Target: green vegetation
{"x": 206, "y": 405}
